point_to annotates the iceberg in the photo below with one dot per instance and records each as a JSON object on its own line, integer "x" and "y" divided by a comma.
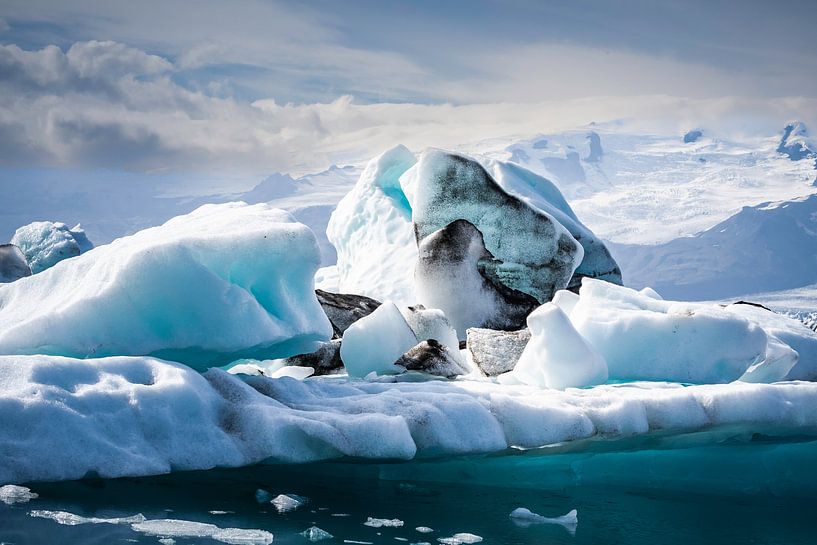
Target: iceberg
{"x": 134, "y": 416}
{"x": 221, "y": 283}
{"x": 46, "y": 243}
{"x": 536, "y": 255}
{"x": 373, "y": 227}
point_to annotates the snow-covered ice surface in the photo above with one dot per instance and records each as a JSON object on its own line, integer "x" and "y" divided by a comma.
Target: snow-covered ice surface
{"x": 242, "y": 271}
{"x": 136, "y": 416}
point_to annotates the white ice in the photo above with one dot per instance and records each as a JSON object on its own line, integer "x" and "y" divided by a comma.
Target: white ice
{"x": 285, "y": 503}
{"x": 372, "y": 232}
{"x": 242, "y": 271}
{"x": 375, "y": 342}
{"x": 133, "y": 416}
{"x": 45, "y": 243}
{"x": 316, "y": 534}
{"x": 11, "y": 494}
{"x": 557, "y": 356}
{"x": 383, "y": 523}
{"x": 524, "y": 517}
{"x": 462, "y": 538}
{"x": 188, "y": 529}
{"x": 643, "y": 338}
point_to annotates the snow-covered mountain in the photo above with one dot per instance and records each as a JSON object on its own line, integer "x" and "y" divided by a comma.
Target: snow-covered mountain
{"x": 770, "y": 246}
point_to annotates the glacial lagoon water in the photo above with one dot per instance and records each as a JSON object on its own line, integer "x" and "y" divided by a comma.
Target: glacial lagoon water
{"x": 702, "y": 488}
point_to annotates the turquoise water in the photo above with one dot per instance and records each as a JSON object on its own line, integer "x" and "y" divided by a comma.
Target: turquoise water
{"x": 645, "y": 495}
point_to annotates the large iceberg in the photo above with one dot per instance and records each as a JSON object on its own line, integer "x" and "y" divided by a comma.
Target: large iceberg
{"x": 127, "y": 416}
{"x": 530, "y": 251}
{"x": 528, "y": 227}
{"x": 46, "y": 243}
{"x": 223, "y": 282}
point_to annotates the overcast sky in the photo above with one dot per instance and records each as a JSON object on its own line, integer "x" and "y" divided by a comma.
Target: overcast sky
{"x": 257, "y": 86}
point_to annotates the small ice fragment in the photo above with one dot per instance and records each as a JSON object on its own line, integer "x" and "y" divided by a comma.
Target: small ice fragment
{"x": 421, "y": 543}
{"x": 316, "y": 534}
{"x": 400, "y": 538}
{"x": 341, "y": 514}
{"x": 262, "y": 496}
{"x": 353, "y": 542}
{"x": 186, "y": 528}
{"x": 217, "y": 512}
{"x": 10, "y": 494}
{"x": 424, "y": 529}
{"x": 525, "y": 517}
{"x": 167, "y": 541}
{"x": 463, "y": 538}
{"x": 383, "y": 523}
{"x": 285, "y": 503}
{"x": 70, "y": 519}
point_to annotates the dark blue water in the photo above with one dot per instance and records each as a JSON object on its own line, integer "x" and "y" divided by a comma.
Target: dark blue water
{"x": 678, "y": 499}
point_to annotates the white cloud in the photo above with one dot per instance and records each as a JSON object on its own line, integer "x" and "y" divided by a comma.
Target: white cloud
{"x": 107, "y": 104}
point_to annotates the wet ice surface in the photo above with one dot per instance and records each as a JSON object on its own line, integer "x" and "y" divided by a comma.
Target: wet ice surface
{"x": 614, "y": 507}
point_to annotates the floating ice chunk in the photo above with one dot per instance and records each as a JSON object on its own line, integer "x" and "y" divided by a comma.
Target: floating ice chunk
{"x": 13, "y": 265}
{"x": 463, "y": 538}
{"x": 186, "y": 528}
{"x": 650, "y": 339}
{"x": 354, "y": 542}
{"x": 383, "y": 523}
{"x": 525, "y": 517}
{"x": 223, "y": 282}
{"x": 167, "y": 541}
{"x": 557, "y": 356}
{"x": 10, "y": 494}
{"x": 424, "y": 529}
{"x": 219, "y": 512}
{"x": 374, "y": 343}
{"x": 285, "y": 503}
{"x": 316, "y": 534}
{"x": 398, "y": 538}
{"x": 70, "y": 519}
{"x": 372, "y": 232}
{"x": 45, "y": 243}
